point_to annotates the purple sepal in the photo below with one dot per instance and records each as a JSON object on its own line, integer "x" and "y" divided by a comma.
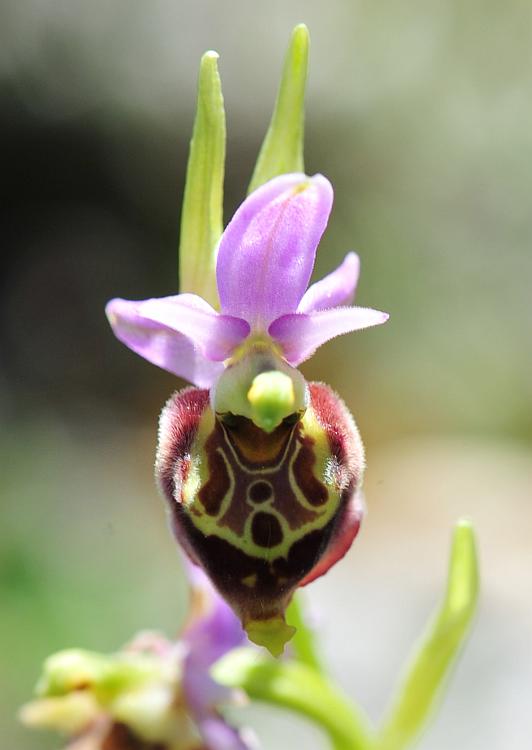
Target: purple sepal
{"x": 267, "y": 251}
{"x": 182, "y": 334}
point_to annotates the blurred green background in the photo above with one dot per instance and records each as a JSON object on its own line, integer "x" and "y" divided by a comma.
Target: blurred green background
{"x": 420, "y": 113}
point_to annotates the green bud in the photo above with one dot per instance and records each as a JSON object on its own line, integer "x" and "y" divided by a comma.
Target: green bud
{"x": 69, "y": 714}
{"x": 72, "y": 669}
{"x": 104, "y": 676}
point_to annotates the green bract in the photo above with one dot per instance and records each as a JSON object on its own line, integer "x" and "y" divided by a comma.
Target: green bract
{"x": 282, "y": 149}
{"x": 202, "y": 214}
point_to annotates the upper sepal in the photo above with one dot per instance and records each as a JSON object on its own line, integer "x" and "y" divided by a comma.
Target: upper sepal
{"x": 267, "y": 251}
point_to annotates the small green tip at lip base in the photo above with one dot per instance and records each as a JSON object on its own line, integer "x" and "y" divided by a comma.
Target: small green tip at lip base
{"x": 273, "y": 633}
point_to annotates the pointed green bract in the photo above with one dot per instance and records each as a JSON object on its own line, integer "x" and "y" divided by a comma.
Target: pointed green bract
{"x": 299, "y": 688}
{"x": 202, "y": 215}
{"x": 282, "y": 149}
{"x": 438, "y": 649}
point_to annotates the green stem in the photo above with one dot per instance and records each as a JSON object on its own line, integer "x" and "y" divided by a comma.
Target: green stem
{"x": 297, "y": 687}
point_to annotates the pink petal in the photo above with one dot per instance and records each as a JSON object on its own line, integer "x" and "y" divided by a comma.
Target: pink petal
{"x": 300, "y": 334}
{"x": 267, "y": 251}
{"x": 337, "y": 288}
{"x": 182, "y": 334}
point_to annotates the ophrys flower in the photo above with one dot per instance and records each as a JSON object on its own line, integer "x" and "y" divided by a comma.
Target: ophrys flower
{"x": 261, "y": 470}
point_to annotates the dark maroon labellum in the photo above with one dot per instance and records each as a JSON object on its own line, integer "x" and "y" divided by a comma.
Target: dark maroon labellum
{"x": 262, "y": 513}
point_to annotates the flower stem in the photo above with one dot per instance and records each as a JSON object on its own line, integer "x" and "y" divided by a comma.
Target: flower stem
{"x": 300, "y": 688}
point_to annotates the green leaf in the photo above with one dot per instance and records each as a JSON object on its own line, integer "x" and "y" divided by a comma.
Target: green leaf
{"x": 425, "y": 676}
{"x": 297, "y": 687}
{"x": 282, "y": 149}
{"x": 202, "y": 214}
{"x": 303, "y": 642}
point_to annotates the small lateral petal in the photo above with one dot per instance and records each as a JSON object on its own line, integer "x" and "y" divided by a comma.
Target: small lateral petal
{"x": 300, "y": 334}
{"x": 267, "y": 251}
{"x": 181, "y": 334}
{"x": 337, "y": 288}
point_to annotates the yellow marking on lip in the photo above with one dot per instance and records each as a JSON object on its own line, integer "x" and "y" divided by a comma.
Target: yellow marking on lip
{"x": 250, "y": 580}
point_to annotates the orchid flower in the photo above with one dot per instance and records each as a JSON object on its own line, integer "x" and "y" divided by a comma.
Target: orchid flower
{"x": 155, "y": 694}
{"x": 262, "y": 471}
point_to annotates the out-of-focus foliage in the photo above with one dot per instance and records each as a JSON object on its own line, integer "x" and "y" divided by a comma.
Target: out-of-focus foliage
{"x": 419, "y": 114}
